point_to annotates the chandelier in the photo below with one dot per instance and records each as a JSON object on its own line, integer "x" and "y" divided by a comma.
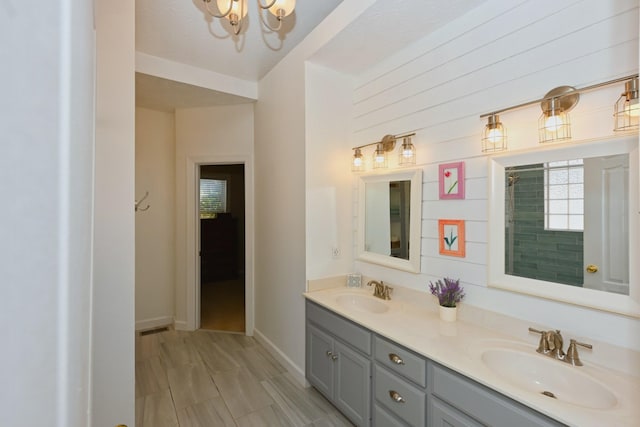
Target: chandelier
{"x": 236, "y": 10}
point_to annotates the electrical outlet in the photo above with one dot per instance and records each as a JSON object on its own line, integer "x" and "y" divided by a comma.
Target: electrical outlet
{"x": 335, "y": 252}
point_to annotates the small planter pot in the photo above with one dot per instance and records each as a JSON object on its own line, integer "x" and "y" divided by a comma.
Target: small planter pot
{"x": 448, "y": 314}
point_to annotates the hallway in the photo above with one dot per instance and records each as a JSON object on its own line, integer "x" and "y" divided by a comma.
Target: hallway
{"x": 208, "y": 379}
{"x": 222, "y": 306}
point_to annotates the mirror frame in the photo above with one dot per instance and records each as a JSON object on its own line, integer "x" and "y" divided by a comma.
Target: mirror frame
{"x": 628, "y": 305}
{"x": 413, "y": 263}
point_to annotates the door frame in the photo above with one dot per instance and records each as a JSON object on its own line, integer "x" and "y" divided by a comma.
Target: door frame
{"x": 193, "y": 236}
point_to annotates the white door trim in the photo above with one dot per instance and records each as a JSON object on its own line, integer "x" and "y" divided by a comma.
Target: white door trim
{"x": 193, "y": 230}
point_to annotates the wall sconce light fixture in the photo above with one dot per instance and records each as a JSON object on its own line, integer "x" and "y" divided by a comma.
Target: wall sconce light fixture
{"x": 380, "y": 154}
{"x": 554, "y": 123}
{"x": 494, "y": 137}
{"x": 407, "y": 152}
{"x": 236, "y": 10}
{"x": 627, "y": 110}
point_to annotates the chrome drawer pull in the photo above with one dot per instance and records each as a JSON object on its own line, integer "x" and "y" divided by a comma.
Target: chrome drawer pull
{"x": 396, "y": 359}
{"x": 396, "y": 396}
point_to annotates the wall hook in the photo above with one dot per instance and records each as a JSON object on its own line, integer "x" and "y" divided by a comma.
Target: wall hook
{"x": 137, "y": 203}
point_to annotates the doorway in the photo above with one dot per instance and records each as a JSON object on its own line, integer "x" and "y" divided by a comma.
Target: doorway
{"x": 222, "y": 219}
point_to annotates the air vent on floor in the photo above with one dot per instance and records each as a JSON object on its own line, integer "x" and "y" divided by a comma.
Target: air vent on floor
{"x": 154, "y": 331}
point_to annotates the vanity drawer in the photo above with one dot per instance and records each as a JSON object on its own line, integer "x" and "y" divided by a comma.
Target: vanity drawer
{"x": 399, "y": 397}
{"x": 401, "y": 361}
{"x": 383, "y": 418}
{"x": 483, "y": 404}
{"x": 356, "y": 336}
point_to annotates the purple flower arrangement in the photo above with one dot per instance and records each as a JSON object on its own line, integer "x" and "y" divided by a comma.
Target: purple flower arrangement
{"x": 449, "y": 293}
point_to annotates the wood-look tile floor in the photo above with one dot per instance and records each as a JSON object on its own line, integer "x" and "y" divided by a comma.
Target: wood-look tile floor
{"x": 209, "y": 379}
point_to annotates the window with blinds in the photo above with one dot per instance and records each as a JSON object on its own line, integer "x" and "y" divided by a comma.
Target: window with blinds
{"x": 564, "y": 195}
{"x": 213, "y": 197}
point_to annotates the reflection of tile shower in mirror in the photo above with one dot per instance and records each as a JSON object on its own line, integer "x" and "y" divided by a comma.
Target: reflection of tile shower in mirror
{"x": 557, "y": 231}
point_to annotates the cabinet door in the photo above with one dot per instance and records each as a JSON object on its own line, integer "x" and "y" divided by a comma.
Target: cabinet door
{"x": 443, "y": 415}
{"x": 319, "y": 360}
{"x": 352, "y": 384}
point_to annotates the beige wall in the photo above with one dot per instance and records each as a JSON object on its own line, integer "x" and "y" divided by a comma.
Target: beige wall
{"x": 155, "y": 227}
{"x": 208, "y": 136}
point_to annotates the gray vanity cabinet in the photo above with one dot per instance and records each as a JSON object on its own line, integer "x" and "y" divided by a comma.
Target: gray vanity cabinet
{"x": 407, "y": 389}
{"x": 338, "y": 362}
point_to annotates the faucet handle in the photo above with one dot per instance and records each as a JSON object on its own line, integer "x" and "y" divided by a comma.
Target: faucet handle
{"x": 572, "y": 352}
{"x": 543, "y": 345}
{"x": 387, "y": 292}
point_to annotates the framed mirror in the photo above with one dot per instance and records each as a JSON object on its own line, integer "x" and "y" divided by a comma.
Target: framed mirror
{"x": 563, "y": 223}
{"x": 389, "y": 219}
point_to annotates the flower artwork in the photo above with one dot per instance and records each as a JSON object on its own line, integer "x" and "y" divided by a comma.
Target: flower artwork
{"x": 451, "y": 180}
{"x": 448, "y": 293}
{"x": 451, "y": 236}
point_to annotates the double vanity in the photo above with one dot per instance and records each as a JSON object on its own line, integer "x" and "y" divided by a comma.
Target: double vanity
{"x": 394, "y": 363}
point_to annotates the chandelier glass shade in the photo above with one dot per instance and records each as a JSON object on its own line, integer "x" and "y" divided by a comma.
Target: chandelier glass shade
{"x": 236, "y": 10}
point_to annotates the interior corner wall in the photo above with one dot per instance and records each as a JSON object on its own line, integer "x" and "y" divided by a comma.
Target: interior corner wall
{"x": 280, "y": 205}
{"x": 203, "y": 133}
{"x": 329, "y": 223}
{"x": 113, "y": 322}
{"x": 495, "y": 56}
{"x": 155, "y": 227}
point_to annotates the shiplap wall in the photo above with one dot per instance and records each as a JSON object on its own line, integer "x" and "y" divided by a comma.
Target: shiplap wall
{"x": 503, "y": 53}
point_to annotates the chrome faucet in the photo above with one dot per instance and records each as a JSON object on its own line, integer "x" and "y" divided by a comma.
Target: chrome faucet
{"x": 551, "y": 343}
{"x": 380, "y": 290}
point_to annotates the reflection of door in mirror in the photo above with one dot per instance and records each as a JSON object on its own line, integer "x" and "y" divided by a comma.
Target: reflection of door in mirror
{"x": 606, "y": 227}
{"x": 387, "y": 228}
{"x": 567, "y": 222}
{"x": 399, "y": 196}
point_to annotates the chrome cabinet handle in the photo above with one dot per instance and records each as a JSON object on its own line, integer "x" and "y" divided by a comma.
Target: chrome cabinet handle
{"x": 396, "y": 359}
{"x": 396, "y": 397}
{"x": 331, "y": 355}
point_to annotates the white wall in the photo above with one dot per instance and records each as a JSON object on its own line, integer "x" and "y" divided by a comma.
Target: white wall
{"x": 207, "y": 135}
{"x": 498, "y": 55}
{"x": 327, "y": 167}
{"x": 114, "y": 230}
{"x": 280, "y": 193}
{"x": 155, "y": 228}
{"x": 46, "y": 168}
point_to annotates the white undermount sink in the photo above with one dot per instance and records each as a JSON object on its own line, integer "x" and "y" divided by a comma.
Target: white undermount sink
{"x": 540, "y": 374}
{"x": 364, "y": 303}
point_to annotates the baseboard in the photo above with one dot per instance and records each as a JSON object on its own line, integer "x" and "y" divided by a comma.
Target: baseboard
{"x": 143, "y": 325}
{"x": 180, "y": 325}
{"x": 294, "y": 370}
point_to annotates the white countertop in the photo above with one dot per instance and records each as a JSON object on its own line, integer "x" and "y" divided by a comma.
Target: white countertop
{"x": 459, "y": 345}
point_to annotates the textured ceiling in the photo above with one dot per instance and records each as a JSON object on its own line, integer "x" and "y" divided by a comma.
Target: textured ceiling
{"x": 386, "y": 27}
{"x": 182, "y": 31}
{"x": 167, "y": 95}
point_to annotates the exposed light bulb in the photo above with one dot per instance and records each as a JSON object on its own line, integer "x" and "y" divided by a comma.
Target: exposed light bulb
{"x": 407, "y": 152}
{"x": 632, "y": 109}
{"x": 357, "y": 161}
{"x": 379, "y": 158}
{"x": 553, "y": 123}
{"x": 494, "y": 135}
